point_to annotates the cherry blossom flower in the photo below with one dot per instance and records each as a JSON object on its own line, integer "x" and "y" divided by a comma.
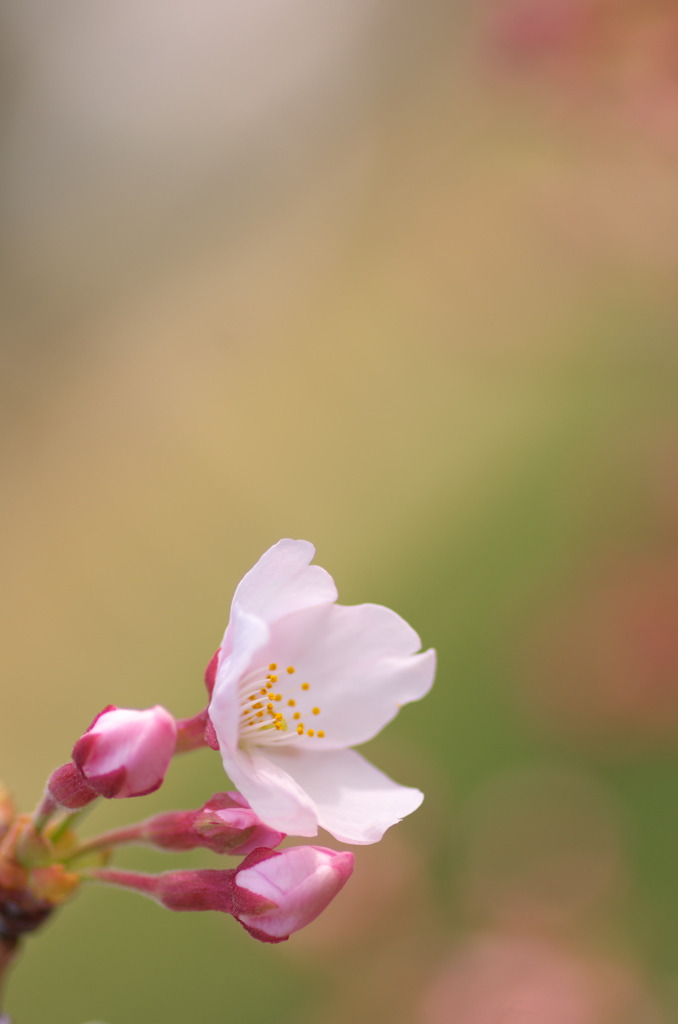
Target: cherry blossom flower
{"x": 299, "y": 680}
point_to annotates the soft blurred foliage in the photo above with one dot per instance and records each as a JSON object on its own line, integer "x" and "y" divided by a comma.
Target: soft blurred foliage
{"x": 398, "y": 278}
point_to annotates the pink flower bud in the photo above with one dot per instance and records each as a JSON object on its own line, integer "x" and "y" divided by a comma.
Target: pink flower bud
{"x": 272, "y": 893}
{"x": 225, "y": 824}
{"x": 228, "y": 824}
{"x": 126, "y": 752}
{"x": 299, "y": 882}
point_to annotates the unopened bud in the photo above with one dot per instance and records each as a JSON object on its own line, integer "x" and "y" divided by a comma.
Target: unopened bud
{"x": 272, "y": 893}
{"x": 126, "y": 752}
{"x": 300, "y": 882}
{"x": 225, "y": 824}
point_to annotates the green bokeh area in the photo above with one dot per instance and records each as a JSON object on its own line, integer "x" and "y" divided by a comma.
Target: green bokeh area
{"x": 475, "y": 591}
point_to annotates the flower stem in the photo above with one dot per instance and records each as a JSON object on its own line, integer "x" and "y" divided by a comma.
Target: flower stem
{"x": 191, "y": 733}
{"x": 44, "y": 811}
{"x": 116, "y": 837}
{"x": 65, "y": 824}
{"x": 146, "y": 884}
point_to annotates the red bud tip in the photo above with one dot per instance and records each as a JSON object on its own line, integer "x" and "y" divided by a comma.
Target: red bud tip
{"x": 211, "y": 671}
{"x": 68, "y": 789}
{"x": 211, "y": 735}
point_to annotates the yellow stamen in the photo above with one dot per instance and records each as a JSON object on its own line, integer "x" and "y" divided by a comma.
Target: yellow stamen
{"x": 300, "y": 728}
{"x": 291, "y": 702}
{"x": 306, "y": 686}
{"x": 309, "y": 732}
{"x": 274, "y": 679}
{"x": 320, "y": 734}
{"x": 316, "y": 711}
{"x": 290, "y": 669}
{"x": 273, "y": 666}
{"x": 296, "y": 715}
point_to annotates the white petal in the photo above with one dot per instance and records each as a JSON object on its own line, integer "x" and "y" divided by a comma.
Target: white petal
{"x": 361, "y": 668}
{"x": 247, "y": 635}
{"x": 283, "y": 581}
{"x": 272, "y": 793}
{"x": 355, "y": 801}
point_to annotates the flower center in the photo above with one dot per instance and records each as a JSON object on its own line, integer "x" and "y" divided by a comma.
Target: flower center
{"x": 275, "y": 708}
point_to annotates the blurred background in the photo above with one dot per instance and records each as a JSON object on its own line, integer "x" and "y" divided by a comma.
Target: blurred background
{"x": 399, "y": 277}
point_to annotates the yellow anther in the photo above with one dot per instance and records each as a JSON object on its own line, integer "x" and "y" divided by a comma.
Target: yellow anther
{"x": 316, "y": 711}
{"x": 269, "y": 707}
{"x": 291, "y": 702}
{"x": 274, "y": 679}
{"x": 262, "y": 692}
{"x": 278, "y": 717}
{"x": 296, "y": 715}
{"x": 260, "y": 714}
{"x": 259, "y": 705}
{"x": 273, "y": 666}
{"x": 290, "y": 669}
{"x": 278, "y": 696}
{"x": 252, "y": 696}
{"x": 309, "y": 732}
{"x": 300, "y": 728}
{"x": 269, "y": 685}
{"x": 320, "y": 734}
{"x": 306, "y": 686}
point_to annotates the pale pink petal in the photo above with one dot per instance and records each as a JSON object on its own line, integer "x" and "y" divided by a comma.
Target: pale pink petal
{"x": 272, "y": 793}
{"x": 355, "y": 802}
{"x": 248, "y": 635}
{"x": 283, "y": 581}
{"x": 301, "y": 881}
{"x": 360, "y": 665}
